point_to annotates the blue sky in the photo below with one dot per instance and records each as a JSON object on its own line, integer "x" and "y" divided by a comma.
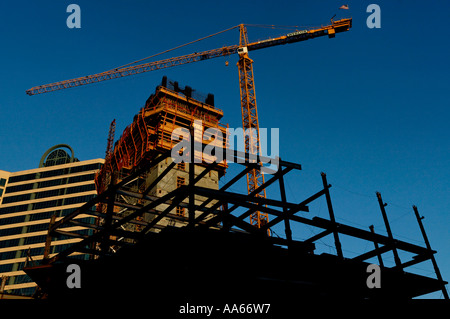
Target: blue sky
{"x": 369, "y": 108}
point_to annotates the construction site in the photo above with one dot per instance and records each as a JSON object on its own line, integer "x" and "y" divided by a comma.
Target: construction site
{"x": 168, "y": 230}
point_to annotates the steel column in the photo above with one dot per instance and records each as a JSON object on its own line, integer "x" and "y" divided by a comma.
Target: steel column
{"x": 287, "y": 225}
{"x": 48, "y": 240}
{"x": 380, "y": 260}
{"x": 433, "y": 260}
{"x": 191, "y": 209}
{"x": 337, "y": 243}
{"x": 388, "y": 230}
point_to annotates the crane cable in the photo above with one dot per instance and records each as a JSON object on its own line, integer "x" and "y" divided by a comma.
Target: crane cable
{"x": 180, "y": 46}
{"x": 272, "y": 26}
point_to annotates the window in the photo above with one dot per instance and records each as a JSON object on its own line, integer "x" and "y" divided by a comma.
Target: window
{"x": 8, "y": 243}
{"x": 180, "y": 211}
{"x": 56, "y": 172}
{"x": 82, "y": 178}
{"x": 19, "y": 188}
{"x": 180, "y": 181}
{"x": 54, "y": 192}
{"x": 13, "y": 209}
{"x": 51, "y": 183}
{"x": 80, "y": 189}
{"x": 84, "y": 168}
{"x": 2, "y": 182}
{"x": 21, "y": 178}
{"x": 76, "y": 200}
{"x": 47, "y": 204}
{"x": 181, "y": 166}
{"x": 1, "y": 192}
{"x": 18, "y": 198}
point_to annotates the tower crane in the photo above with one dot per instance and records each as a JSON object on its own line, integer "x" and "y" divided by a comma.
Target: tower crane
{"x": 246, "y": 83}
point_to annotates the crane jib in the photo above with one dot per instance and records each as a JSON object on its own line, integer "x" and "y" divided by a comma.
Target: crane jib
{"x": 297, "y": 36}
{"x": 135, "y": 69}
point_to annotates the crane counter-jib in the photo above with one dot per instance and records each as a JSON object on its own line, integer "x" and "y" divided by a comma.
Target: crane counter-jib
{"x": 302, "y": 35}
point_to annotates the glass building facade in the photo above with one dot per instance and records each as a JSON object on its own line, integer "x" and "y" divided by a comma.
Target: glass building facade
{"x": 28, "y": 199}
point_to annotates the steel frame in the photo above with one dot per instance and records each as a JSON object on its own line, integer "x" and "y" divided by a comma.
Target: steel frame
{"x": 220, "y": 216}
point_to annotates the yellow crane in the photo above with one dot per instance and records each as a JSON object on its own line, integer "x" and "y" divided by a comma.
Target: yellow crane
{"x": 246, "y": 83}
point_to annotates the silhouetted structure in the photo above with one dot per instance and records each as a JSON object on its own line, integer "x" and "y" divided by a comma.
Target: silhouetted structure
{"x": 211, "y": 259}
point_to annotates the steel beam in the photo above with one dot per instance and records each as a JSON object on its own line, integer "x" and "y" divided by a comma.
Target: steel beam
{"x": 318, "y": 236}
{"x": 70, "y": 234}
{"x": 120, "y": 222}
{"x": 110, "y": 190}
{"x": 376, "y": 252}
{"x": 290, "y": 213}
{"x": 367, "y": 235}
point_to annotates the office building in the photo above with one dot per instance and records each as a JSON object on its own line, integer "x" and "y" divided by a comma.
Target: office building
{"x": 28, "y": 199}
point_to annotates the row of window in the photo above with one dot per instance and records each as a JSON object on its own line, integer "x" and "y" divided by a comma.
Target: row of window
{"x": 33, "y": 252}
{"x": 51, "y": 183}
{"x": 9, "y": 243}
{"x": 46, "y": 204}
{"x": 24, "y": 229}
{"x": 56, "y": 172}
{"x": 13, "y": 209}
{"x": 50, "y": 193}
{"x": 37, "y": 227}
{"x": 35, "y": 216}
{"x": 39, "y": 239}
{"x": 21, "y": 219}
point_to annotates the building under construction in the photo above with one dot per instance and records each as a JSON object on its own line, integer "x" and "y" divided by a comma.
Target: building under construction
{"x": 150, "y": 135}
{"x": 166, "y": 232}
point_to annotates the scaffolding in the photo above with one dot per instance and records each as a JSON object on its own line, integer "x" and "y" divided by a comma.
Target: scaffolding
{"x": 150, "y": 133}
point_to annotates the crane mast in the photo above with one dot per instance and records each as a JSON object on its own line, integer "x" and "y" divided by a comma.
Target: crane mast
{"x": 250, "y": 122}
{"x": 246, "y": 85}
